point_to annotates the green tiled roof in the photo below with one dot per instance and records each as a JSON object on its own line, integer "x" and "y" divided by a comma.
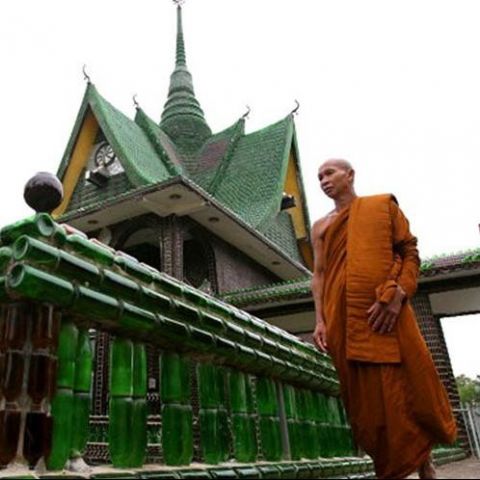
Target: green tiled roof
{"x": 465, "y": 259}
{"x": 244, "y": 173}
{"x": 301, "y": 288}
{"x": 162, "y": 144}
{"x": 137, "y": 155}
{"x": 252, "y": 183}
{"x": 131, "y": 145}
{"x": 215, "y": 154}
{"x": 281, "y": 231}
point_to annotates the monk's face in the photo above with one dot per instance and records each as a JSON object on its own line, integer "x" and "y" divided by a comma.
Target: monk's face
{"x": 336, "y": 178}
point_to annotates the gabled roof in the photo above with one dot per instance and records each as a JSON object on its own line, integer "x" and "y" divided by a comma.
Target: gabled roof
{"x": 245, "y": 173}
{"x": 251, "y": 183}
{"x": 130, "y": 143}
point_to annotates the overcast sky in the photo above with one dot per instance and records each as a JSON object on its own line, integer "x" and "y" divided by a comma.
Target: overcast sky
{"x": 391, "y": 86}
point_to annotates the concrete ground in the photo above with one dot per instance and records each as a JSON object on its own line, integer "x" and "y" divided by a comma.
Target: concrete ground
{"x": 468, "y": 468}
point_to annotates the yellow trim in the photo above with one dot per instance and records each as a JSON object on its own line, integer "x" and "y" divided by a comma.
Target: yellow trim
{"x": 78, "y": 160}
{"x": 307, "y": 252}
{"x": 292, "y": 187}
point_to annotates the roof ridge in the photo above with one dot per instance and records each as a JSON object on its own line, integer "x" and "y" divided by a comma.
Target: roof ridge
{"x": 267, "y": 286}
{"x": 227, "y": 157}
{"x": 75, "y": 131}
{"x": 275, "y": 208}
{"x": 147, "y": 125}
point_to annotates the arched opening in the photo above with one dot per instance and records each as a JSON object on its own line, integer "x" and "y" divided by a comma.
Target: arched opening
{"x": 144, "y": 245}
{"x": 199, "y": 265}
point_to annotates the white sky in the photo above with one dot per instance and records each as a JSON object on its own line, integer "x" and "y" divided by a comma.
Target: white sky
{"x": 391, "y": 86}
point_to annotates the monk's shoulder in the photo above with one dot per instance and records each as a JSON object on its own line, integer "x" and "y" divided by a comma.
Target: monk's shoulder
{"x": 380, "y": 198}
{"x": 319, "y": 227}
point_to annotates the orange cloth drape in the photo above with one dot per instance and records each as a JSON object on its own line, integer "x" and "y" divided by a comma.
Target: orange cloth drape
{"x": 399, "y": 409}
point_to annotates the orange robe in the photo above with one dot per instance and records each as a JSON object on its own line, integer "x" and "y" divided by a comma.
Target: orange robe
{"x": 396, "y": 403}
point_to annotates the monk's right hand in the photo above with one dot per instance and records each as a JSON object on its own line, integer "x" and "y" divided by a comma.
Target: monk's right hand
{"x": 320, "y": 336}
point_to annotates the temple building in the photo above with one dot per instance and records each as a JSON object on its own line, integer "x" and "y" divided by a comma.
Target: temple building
{"x": 176, "y": 275}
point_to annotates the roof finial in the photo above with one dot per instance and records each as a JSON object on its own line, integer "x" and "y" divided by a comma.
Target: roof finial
{"x": 180, "y": 57}
{"x": 295, "y": 110}
{"x": 247, "y": 113}
{"x": 135, "y": 102}
{"x": 85, "y": 74}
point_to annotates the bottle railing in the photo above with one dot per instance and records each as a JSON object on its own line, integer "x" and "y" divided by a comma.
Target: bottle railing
{"x": 260, "y": 393}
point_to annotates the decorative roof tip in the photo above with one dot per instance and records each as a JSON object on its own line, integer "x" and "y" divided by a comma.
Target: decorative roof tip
{"x": 135, "y": 102}
{"x": 297, "y": 107}
{"x": 85, "y": 75}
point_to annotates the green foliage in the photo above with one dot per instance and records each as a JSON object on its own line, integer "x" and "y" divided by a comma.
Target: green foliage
{"x": 468, "y": 388}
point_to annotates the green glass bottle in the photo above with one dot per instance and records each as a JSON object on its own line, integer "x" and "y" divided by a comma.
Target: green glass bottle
{"x": 80, "y": 423}
{"x": 119, "y": 431}
{"x": 121, "y": 368}
{"x": 175, "y": 393}
{"x": 175, "y": 379}
{"x": 83, "y": 363}
{"x": 311, "y": 440}
{"x": 82, "y": 393}
{"x": 38, "y": 285}
{"x": 210, "y": 436}
{"x": 61, "y": 411}
{"x": 40, "y": 225}
{"x": 209, "y": 398}
{"x": 120, "y": 404}
{"x": 223, "y": 417}
{"x": 208, "y": 386}
{"x": 139, "y": 407}
{"x": 269, "y": 422}
{"x": 138, "y": 435}
{"x": 177, "y": 434}
{"x": 238, "y": 392}
{"x": 139, "y": 371}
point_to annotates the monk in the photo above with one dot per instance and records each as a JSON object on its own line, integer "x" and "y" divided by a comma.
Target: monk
{"x": 365, "y": 272}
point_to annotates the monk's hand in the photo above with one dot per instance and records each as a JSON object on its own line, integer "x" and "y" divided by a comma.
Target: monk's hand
{"x": 320, "y": 336}
{"x": 383, "y": 316}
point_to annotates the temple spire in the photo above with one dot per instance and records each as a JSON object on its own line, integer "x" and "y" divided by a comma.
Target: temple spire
{"x": 182, "y": 117}
{"x": 180, "y": 59}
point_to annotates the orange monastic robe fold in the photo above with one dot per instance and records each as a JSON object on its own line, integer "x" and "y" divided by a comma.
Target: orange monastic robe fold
{"x": 397, "y": 406}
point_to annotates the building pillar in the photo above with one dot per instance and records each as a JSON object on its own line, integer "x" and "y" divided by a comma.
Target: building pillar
{"x": 172, "y": 246}
{"x": 432, "y": 332}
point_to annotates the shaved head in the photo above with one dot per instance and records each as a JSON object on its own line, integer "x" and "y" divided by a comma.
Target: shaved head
{"x": 339, "y": 163}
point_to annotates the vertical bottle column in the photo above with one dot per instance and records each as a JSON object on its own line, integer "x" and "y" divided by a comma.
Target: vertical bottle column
{"x": 322, "y": 426}
{"x": 138, "y": 441}
{"x": 120, "y": 404}
{"x": 243, "y": 421}
{"x": 269, "y": 421}
{"x": 63, "y": 401}
{"x": 223, "y": 415}
{"x": 210, "y": 428}
{"x": 334, "y": 426}
{"x": 82, "y": 394}
{"x": 175, "y": 393}
{"x": 294, "y": 429}
{"x": 312, "y": 445}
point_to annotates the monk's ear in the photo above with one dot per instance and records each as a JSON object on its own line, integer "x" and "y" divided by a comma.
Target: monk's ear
{"x": 351, "y": 175}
